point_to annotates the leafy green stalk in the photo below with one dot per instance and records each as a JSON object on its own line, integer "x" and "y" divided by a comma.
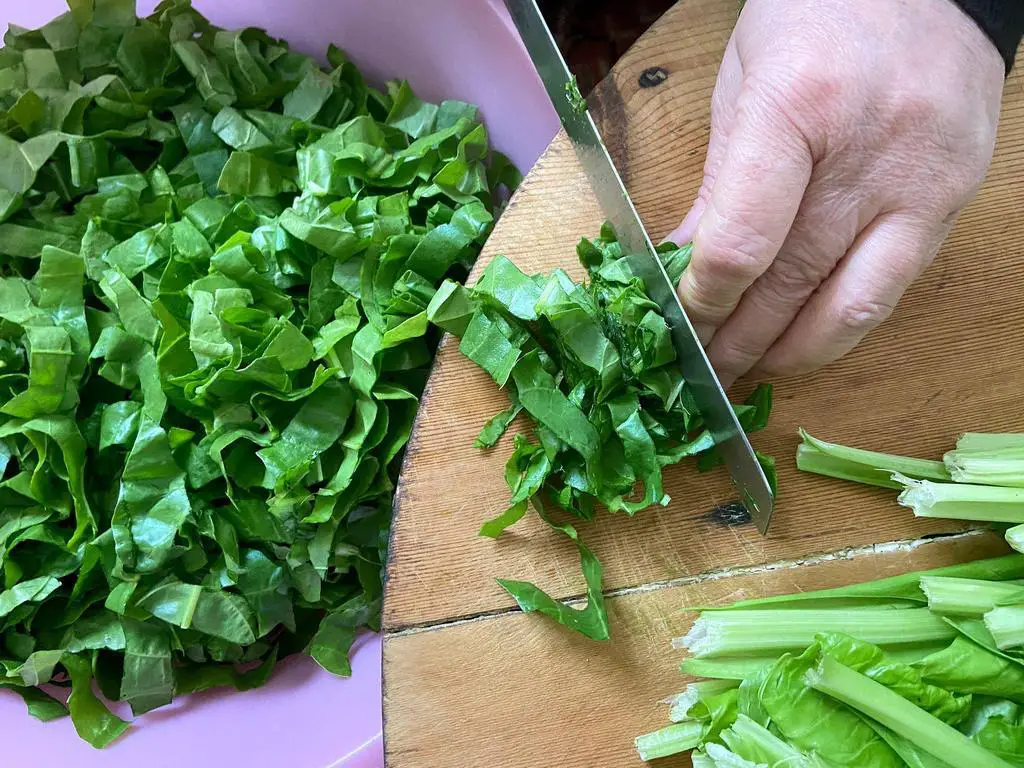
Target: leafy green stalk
{"x": 989, "y": 442}
{"x": 963, "y": 502}
{"x": 731, "y": 668}
{"x": 1006, "y": 624}
{"x": 809, "y": 721}
{"x": 752, "y": 741}
{"x": 862, "y": 466}
{"x": 968, "y": 597}
{"x": 897, "y": 714}
{"x": 743, "y": 633}
{"x": 671, "y": 740}
{"x": 987, "y": 459}
{"x": 1001, "y": 468}
{"x": 726, "y": 758}
{"x": 904, "y": 679}
{"x": 905, "y": 587}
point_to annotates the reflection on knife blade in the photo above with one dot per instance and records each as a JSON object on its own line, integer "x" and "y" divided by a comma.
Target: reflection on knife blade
{"x": 611, "y": 193}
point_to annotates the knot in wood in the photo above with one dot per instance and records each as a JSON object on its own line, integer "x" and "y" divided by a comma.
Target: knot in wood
{"x": 652, "y": 76}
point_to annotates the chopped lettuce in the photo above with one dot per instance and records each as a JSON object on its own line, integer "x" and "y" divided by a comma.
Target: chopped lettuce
{"x": 217, "y": 258}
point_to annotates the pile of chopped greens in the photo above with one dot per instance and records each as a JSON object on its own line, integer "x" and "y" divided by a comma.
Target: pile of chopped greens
{"x": 216, "y": 260}
{"x": 896, "y": 672}
{"x": 982, "y": 479}
{"x": 594, "y": 367}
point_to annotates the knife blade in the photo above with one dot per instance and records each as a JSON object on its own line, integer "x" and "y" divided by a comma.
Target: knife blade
{"x": 618, "y": 208}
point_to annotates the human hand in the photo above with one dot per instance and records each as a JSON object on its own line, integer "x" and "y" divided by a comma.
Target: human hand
{"x": 846, "y": 136}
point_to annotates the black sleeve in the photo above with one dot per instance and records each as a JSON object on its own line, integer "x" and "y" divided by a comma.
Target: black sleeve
{"x": 1001, "y": 20}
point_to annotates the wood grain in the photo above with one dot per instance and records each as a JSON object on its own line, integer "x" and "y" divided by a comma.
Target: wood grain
{"x": 468, "y": 682}
{"x": 515, "y": 691}
{"x": 950, "y": 359}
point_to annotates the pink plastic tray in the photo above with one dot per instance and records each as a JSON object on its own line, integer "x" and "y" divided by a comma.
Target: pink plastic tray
{"x": 305, "y": 717}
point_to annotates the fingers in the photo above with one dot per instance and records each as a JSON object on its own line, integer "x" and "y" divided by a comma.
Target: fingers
{"x": 885, "y": 259}
{"x": 723, "y": 109}
{"x": 825, "y": 227}
{"x": 754, "y": 199}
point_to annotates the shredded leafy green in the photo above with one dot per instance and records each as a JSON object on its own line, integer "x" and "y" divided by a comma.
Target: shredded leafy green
{"x": 215, "y": 263}
{"x": 593, "y": 365}
{"x": 574, "y": 97}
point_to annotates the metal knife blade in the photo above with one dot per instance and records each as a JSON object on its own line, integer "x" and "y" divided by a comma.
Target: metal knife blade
{"x": 611, "y": 193}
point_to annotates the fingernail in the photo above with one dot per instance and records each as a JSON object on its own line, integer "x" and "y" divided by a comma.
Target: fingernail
{"x": 704, "y": 332}
{"x": 684, "y": 233}
{"x": 726, "y": 379}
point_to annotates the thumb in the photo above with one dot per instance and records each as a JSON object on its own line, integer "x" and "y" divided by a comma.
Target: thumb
{"x": 723, "y": 108}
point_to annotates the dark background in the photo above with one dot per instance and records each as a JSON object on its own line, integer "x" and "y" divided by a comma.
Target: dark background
{"x": 593, "y": 34}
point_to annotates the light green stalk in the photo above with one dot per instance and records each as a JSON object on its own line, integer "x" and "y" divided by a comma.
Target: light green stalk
{"x": 962, "y": 502}
{"x": 670, "y": 740}
{"x": 735, "y": 669}
{"x": 968, "y": 597}
{"x": 761, "y": 631}
{"x": 899, "y": 715}
{"x": 980, "y": 442}
{"x": 750, "y": 739}
{"x": 860, "y": 466}
{"x": 999, "y": 466}
{"x": 725, "y": 758}
{"x": 1006, "y": 624}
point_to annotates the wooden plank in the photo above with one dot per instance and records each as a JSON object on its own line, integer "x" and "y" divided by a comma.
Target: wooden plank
{"x": 516, "y": 691}
{"x": 950, "y": 359}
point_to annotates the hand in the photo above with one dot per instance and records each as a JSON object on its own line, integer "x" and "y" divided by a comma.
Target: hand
{"x": 846, "y": 136}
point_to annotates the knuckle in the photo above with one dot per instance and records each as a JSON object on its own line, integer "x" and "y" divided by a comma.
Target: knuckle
{"x": 735, "y": 253}
{"x": 736, "y": 356}
{"x": 860, "y": 315}
{"x": 796, "y": 275}
{"x": 806, "y": 94}
{"x": 779, "y": 370}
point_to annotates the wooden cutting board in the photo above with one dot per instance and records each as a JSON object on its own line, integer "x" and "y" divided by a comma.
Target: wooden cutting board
{"x": 471, "y": 682}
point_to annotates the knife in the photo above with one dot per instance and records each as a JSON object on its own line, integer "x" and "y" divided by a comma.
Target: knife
{"x": 618, "y": 208}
